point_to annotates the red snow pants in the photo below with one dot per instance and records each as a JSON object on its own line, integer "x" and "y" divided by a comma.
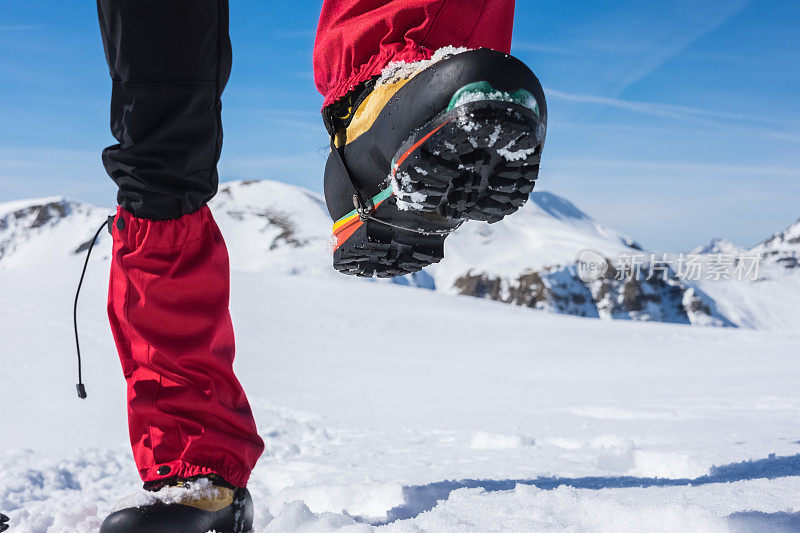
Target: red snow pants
{"x": 357, "y": 39}
{"x": 169, "y": 286}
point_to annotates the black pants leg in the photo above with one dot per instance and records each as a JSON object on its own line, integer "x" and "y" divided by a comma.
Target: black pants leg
{"x": 169, "y": 61}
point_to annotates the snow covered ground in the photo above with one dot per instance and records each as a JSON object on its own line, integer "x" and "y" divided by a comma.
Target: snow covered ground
{"x": 391, "y": 408}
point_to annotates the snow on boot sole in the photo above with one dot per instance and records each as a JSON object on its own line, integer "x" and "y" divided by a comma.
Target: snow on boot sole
{"x": 478, "y": 161}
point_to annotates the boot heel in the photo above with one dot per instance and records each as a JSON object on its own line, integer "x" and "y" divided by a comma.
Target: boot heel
{"x": 393, "y": 243}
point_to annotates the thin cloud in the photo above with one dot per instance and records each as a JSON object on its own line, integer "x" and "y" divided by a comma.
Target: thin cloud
{"x": 655, "y": 61}
{"x": 544, "y": 48}
{"x": 698, "y": 116}
{"x": 276, "y": 113}
{"x": 296, "y": 34}
{"x": 38, "y": 172}
{"x": 302, "y": 168}
{"x": 676, "y": 167}
{"x": 302, "y": 74}
{"x": 21, "y": 27}
{"x": 311, "y": 127}
{"x": 660, "y": 109}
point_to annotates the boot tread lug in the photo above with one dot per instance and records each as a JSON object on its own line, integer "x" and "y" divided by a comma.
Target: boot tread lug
{"x": 462, "y": 170}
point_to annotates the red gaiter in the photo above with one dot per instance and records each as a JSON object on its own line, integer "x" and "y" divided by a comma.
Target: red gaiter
{"x": 356, "y": 39}
{"x": 168, "y": 307}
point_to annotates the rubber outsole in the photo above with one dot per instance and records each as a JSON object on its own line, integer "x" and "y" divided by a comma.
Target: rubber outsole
{"x": 384, "y": 251}
{"x": 479, "y": 161}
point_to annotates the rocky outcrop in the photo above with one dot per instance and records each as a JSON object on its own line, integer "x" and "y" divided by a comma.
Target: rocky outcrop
{"x": 19, "y": 222}
{"x": 650, "y": 296}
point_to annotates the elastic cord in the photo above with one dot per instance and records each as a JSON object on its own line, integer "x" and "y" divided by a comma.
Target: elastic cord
{"x": 81, "y": 388}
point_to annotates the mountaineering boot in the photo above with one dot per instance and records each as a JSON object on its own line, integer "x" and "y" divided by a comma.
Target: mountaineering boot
{"x": 424, "y": 147}
{"x": 195, "y": 505}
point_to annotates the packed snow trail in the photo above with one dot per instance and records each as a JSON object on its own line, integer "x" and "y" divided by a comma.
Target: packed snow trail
{"x": 396, "y": 409}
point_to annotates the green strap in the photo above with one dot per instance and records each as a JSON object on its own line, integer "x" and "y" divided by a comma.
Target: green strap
{"x": 378, "y": 198}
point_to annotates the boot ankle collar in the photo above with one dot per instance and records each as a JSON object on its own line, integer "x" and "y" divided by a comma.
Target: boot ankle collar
{"x": 339, "y": 114}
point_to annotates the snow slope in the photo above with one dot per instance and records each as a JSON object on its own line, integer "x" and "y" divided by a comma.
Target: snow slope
{"x": 773, "y": 300}
{"x": 273, "y": 227}
{"x": 548, "y": 230}
{"x": 770, "y": 303}
{"x": 421, "y": 411}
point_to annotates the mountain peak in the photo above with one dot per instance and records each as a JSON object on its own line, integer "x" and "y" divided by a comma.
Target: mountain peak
{"x": 274, "y": 226}
{"x": 42, "y": 230}
{"x": 41, "y": 210}
{"x": 783, "y": 247}
{"x": 718, "y": 245}
{"x": 557, "y": 206}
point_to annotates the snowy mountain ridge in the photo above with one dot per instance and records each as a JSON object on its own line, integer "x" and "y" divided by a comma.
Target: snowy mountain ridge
{"x": 45, "y": 230}
{"x": 783, "y": 248}
{"x": 718, "y": 245}
{"x": 530, "y": 259}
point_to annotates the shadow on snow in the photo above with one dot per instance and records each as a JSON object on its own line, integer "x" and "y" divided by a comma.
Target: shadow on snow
{"x": 421, "y": 498}
{"x": 758, "y": 522}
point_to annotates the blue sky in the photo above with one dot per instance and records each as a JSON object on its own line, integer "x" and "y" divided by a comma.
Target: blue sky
{"x": 672, "y": 121}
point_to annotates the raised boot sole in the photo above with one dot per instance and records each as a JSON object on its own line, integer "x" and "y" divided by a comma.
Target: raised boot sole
{"x": 478, "y": 161}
